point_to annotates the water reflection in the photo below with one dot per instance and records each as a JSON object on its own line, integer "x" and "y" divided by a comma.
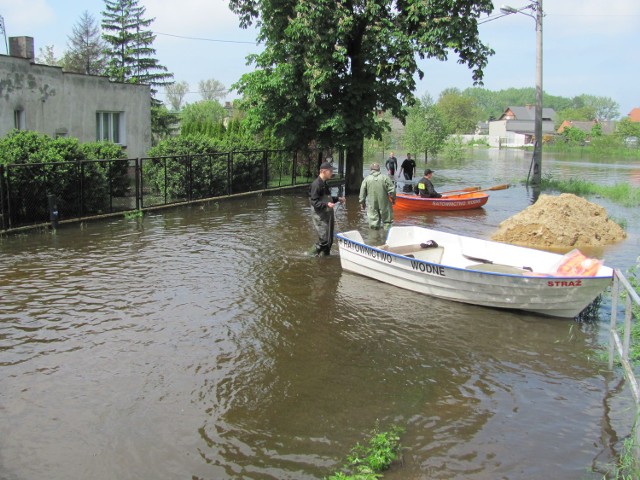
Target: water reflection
{"x": 202, "y": 342}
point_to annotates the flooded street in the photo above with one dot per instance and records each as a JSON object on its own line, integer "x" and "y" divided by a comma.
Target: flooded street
{"x": 201, "y": 342}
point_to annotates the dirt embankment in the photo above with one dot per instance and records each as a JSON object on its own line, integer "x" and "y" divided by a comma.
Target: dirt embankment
{"x": 560, "y": 221}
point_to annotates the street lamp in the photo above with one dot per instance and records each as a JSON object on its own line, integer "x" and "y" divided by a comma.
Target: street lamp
{"x": 536, "y": 7}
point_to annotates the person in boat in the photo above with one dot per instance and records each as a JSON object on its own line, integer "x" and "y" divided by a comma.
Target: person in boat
{"x": 425, "y": 188}
{"x": 322, "y": 203}
{"x": 377, "y": 195}
{"x": 406, "y": 169}
{"x": 391, "y": 164}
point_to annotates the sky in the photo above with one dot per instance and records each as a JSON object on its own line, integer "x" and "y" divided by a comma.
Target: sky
{"x": 589, "y": 46}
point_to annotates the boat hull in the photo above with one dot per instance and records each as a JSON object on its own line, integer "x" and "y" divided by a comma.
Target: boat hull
{"x": 414, "y": 203}
{"x": 457, "y": 277}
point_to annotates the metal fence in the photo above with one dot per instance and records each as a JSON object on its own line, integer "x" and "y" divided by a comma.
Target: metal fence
{"x": 619, "y": 348}
{"x": 39, "y": 193}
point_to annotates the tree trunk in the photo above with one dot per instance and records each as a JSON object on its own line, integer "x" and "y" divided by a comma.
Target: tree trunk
{"x": 355, "y": 159}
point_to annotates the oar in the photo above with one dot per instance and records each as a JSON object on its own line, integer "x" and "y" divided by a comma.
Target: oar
{"x": 485, "y": 260}
{"x": 467, "y": 189}
{"x": 496, "y": 187}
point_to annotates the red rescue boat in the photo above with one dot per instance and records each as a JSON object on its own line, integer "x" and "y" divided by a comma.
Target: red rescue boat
{"x": 465, "y": 201}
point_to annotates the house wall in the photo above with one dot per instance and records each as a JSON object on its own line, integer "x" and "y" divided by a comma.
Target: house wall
{"x": 65, "y": 104}
{"x": 500, "y": 135}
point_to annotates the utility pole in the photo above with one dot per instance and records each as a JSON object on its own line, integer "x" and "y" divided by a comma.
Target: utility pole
{"x": 4, "y": 32}
{"x": 535, "y": 6}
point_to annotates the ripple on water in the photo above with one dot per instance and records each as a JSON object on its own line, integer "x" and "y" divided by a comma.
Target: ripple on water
{"x": 202, "y": 341}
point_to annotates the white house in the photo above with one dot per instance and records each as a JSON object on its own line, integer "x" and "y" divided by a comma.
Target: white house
{"x": 516, "y": 126}
{"x": 90, "y": 108}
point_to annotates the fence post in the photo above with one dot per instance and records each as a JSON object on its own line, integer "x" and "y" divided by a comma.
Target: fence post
{"x": 265, "y": 169}
{"x": 138, "y": 180}
{"x": 53, "y": 211}
{"x": 81, "y": 181}
{"x": 615, "y": 293}
{"x": 3, "y": 212}
{"x": 189, "y": 178}
{"x": 293, "y": 168}
{"x": 229, "y": 172}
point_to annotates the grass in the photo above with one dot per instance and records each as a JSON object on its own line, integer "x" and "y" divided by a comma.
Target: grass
{"x": 130, "y": 215}
{"x": 367, "y": 462}
{"x": 621, "y": 193}
{"x": 627, "y": 467}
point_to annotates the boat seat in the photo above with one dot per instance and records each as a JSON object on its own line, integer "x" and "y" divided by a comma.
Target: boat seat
{"x": 497, "y": 268}
{"x": 431, "y": 255}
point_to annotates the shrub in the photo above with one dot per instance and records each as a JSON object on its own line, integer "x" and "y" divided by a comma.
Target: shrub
{"x": 38, "y": 166}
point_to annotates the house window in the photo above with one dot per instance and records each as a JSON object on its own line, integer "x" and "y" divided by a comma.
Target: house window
{"x": 110, "y": 127}
{"x": 18, "y": 119}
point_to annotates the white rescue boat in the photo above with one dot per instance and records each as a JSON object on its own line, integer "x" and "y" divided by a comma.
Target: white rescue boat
{"x": 476, "y": 271}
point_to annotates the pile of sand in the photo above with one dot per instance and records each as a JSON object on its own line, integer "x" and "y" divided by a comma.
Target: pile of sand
{"x": 560, "y": 221}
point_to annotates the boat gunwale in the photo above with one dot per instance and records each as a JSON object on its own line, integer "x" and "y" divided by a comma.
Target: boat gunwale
{"x": 541, "y": 276}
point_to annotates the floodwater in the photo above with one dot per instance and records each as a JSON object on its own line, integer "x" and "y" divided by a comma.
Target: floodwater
{"x": 200, "y": 342}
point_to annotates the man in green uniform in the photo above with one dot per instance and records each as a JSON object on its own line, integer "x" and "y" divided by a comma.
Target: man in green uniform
{"x": 379, "y": 193}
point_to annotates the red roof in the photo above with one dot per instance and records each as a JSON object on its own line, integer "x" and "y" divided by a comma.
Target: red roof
{"x": 634, "y": 115}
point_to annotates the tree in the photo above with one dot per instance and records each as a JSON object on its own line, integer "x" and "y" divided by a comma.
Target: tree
{"x": 212, "y": 89}
{"x": 203, "y": 117}
{"x": 459, "y": 112}
{"x": 584, "y": 114}
{"x": 627, "y": 128}
{"x": 163, "y": 123}
{"x": 574, "y": 135}
{"x": 328, "y": 67}
{"x": 425, "y": 130}
{"x": 129, "y": 50}
{"x": 46, "y": 56}
{"x": 85, "y": 52}
{"x": 176, "y": 93}
{"x": 129, "y": 45}
{"x": 604, "y": 108}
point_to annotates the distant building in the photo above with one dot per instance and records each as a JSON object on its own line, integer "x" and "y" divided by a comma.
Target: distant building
{"x": 634, "y": 115}
{"x": 90, "y": 108}
{"x": 607, "y": 127}
{"x": 516, "y": 126}
{"x": 585, "y": 126}
{"x": 482, "y": 128}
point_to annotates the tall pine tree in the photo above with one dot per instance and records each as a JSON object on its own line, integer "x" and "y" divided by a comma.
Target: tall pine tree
{"x": 85, "y": 52}
{"x": 130, "y": 45}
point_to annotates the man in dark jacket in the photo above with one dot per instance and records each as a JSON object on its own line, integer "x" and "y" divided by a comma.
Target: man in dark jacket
{"x": 424, "y": 187}
{"x": 322, "y": 204}
{"x": 407, "y": 167}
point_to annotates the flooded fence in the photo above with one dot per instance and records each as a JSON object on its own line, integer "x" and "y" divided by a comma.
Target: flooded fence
{"x": 620, "y": 347}
{"x": 39, "y": 193}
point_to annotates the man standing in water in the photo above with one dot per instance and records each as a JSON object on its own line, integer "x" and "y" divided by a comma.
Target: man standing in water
{"x": 391, "y": 164}
{"x": 322, "y": 204}
{"x": 379, "y": 193}
{"x": 407, "y": 168}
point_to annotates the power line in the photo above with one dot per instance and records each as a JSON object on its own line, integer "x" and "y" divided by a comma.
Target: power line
{"x": 205, "y": 39}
